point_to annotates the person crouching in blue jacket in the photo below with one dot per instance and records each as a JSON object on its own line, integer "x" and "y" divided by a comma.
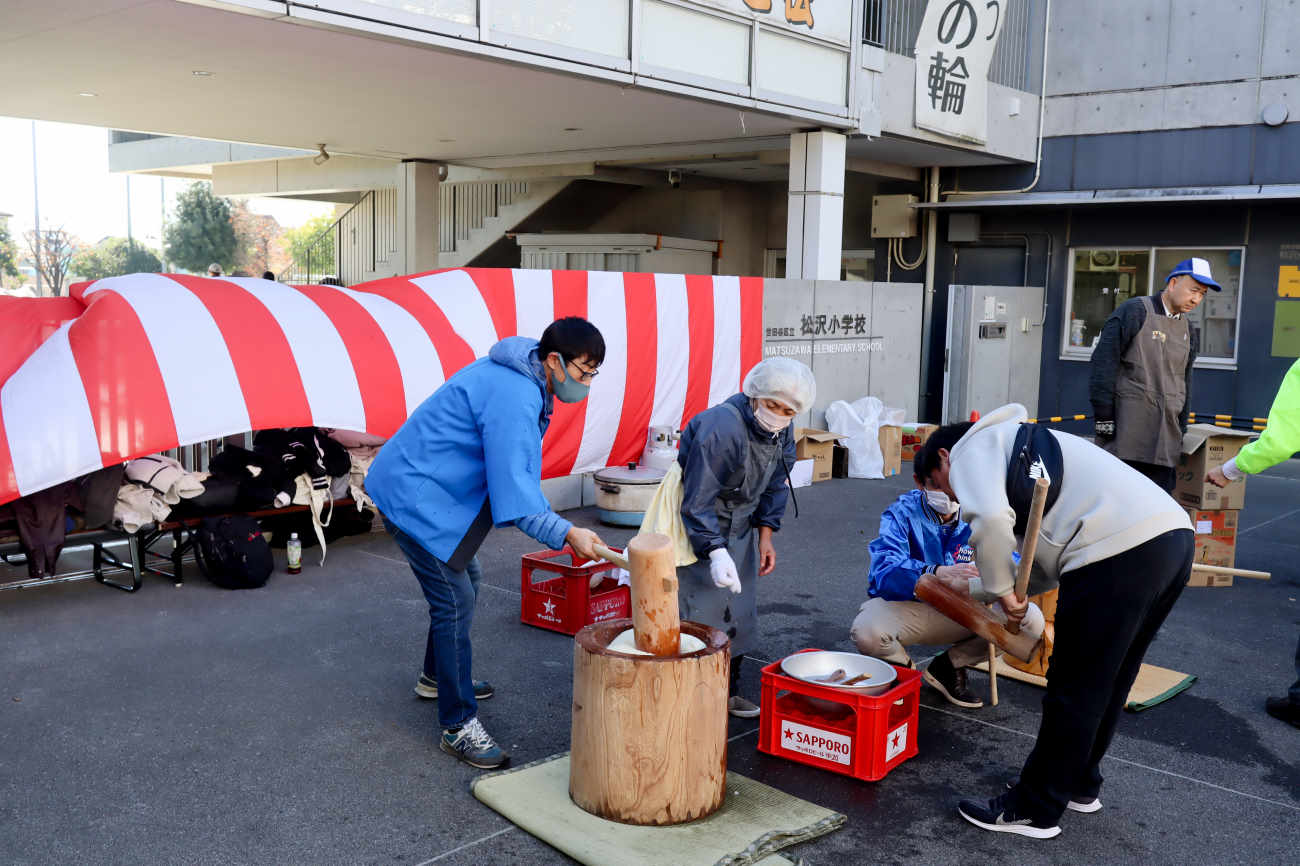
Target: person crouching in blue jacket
{"x": 920, "y": 533}
{"x": 735, "y": 460}
{"x": 467, "y": 459}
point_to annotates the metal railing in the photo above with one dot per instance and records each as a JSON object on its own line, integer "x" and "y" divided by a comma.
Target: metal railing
{"x": 197, "y": 456}
{"x": 364, "y": 238}
{"x": 894, "y": 24}
{"x": 360, "y": 242}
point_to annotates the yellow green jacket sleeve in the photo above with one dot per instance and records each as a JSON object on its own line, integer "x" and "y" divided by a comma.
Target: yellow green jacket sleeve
{"x": 1281, "y": 438}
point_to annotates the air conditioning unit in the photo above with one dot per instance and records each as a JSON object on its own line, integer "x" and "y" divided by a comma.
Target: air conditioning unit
{"x": 1103, "y": 260}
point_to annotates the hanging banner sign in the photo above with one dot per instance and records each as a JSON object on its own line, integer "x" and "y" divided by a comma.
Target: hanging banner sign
{"x": 953, "y": 52}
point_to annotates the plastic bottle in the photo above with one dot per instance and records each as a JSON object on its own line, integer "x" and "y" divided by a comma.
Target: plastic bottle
{"x": 293, "y": 552}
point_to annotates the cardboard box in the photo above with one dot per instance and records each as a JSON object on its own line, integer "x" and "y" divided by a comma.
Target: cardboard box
{"x": 1216, "y": 537}
{"x": 840, "y": 462}
{"x": 818, "y": 445}
{"x": 1205, "y": 447}
{"x": 914, "y": 436}
{"x": 801, "y": 473}
{"x": 891, "y": 449}
{"x": 1201, "y": 578}
{"x": 1046, "y": 602}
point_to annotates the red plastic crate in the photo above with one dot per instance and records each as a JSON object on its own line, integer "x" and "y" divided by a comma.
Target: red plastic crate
{"x": 566, "y": 602}
{"x": 864, "y": 736}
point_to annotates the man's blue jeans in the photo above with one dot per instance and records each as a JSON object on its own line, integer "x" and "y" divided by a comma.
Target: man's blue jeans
{"x": 447, "y": 656}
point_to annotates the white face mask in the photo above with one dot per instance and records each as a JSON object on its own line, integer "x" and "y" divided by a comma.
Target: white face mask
{"x": 772, "y": 422}
{"x": 940, "y": 502}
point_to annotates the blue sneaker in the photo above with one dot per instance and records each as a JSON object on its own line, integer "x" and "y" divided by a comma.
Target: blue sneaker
{"x": 474, "y": 746}
{"x": 427, "y": 687}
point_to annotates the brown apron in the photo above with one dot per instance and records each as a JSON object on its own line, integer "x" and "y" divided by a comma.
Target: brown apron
{"x": 1151, "y": 390}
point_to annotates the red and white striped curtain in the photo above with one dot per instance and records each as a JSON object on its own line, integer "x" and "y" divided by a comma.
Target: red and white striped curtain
{"x": 138, "y": 364}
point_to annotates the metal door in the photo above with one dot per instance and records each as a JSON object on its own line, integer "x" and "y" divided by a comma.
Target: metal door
{"x": 993, "y": 349}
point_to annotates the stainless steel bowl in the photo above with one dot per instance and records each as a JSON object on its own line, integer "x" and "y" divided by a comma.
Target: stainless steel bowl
{"x": 814, "y": 667}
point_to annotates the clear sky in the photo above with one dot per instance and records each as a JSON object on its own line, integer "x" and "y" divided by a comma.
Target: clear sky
{"x": 78, "y": 192}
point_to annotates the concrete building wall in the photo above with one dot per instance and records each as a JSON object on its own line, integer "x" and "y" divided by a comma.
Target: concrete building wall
{"x": 749, "y": 218}
{"x": 1209, "y": 156}
{"x": 1133, "y": 65}
{"x": 303, "y": 176}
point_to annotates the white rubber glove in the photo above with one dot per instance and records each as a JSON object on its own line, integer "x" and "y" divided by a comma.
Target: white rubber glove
{"x": 722, "y": 568}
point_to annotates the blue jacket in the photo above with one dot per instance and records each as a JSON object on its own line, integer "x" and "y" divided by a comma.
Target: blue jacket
{"x": 470, "y": 457}
{"x": 911, "y": 538}
{"x": 712, "y": 454}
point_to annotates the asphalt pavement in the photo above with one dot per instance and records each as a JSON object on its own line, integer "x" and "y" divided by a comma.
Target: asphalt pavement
{"x": 196, "y": 725}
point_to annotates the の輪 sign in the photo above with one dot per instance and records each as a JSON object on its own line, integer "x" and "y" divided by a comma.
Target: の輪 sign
{"x": 953, "y": 52}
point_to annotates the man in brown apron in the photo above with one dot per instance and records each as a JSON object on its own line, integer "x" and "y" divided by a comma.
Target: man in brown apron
{"x": 1141, "y": 377}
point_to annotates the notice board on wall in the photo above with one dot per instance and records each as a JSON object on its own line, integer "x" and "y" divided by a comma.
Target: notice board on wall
{"x": 1286, "y": 329}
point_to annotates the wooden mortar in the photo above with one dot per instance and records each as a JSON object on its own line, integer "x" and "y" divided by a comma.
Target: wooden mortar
{"x": 649, "y": 735}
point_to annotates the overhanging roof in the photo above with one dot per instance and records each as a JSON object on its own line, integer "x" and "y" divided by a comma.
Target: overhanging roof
{"x": 1089, "y": 197}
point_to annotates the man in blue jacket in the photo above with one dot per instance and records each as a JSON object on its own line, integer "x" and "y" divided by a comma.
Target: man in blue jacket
{"x": 922, "y": 533}
{"x": 467, "y": 459}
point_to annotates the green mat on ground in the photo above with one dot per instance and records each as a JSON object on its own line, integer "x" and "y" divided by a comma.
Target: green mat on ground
{"x": 1154, "y": 685}
{"x": 754, "y": 822}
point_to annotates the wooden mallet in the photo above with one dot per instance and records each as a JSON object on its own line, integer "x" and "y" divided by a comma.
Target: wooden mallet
{"x": 652, "y": 567}
{"x": 1030, "y": 545}
{"x": 1028, "y": 548}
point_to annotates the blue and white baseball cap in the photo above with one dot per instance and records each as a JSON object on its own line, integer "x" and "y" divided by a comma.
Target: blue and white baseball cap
{"x": 1196, "y": 268}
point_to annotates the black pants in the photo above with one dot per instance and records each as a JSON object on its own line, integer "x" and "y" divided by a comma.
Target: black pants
{"x": 735, "y": 673}
{"x": 1107, "y": 614}
{"x": 1294, "y": 692}
{"x": 1164, "y": 476}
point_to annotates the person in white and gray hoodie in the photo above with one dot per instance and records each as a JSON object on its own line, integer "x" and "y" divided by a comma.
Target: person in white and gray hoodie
{"x": 1121, "y": 550}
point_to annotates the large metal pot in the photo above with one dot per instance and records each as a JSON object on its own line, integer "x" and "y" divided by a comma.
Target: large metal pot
{"x": 623, "y": 493}
{"x": 814, "y": 667}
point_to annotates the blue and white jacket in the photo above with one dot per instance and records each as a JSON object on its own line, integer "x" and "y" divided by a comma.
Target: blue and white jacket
{"x": 911, "y": 538}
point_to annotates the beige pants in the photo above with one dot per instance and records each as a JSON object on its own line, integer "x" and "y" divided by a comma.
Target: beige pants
{"x": 884, "y": 628}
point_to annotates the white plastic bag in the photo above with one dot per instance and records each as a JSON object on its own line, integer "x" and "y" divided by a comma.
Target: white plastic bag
{"x": 858, "y": 424}
{"x": 664, "y": 514}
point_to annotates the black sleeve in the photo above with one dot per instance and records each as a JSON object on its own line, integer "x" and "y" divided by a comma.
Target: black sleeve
{"x": 1187, "y": 387}
{"x": 1119, "y": 330}
{"x": 334, "y": 456}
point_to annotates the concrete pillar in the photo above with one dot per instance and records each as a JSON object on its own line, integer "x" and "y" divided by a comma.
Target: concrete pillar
{"x": 815, "y": 219}
{"x": 417, "y": 216}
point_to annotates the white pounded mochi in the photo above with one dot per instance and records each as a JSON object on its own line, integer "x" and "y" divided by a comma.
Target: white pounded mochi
{"x": 626, "y": 643}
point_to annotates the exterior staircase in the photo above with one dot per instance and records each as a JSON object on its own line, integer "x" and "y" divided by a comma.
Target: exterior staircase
{"x": 476, "y": 214}
{"x": 474, "y": 220}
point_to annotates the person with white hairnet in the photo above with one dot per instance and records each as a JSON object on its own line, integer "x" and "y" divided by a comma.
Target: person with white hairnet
{"x": 735, "y": 459}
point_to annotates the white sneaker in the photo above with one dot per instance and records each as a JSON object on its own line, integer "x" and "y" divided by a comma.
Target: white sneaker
{"x": 1076, "y": 804}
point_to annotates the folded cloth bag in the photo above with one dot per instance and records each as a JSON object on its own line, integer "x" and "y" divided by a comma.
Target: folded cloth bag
{"x": 138, "y": 506}
{"x": 165, "y": 475}
{"x": 664, "y": 514}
